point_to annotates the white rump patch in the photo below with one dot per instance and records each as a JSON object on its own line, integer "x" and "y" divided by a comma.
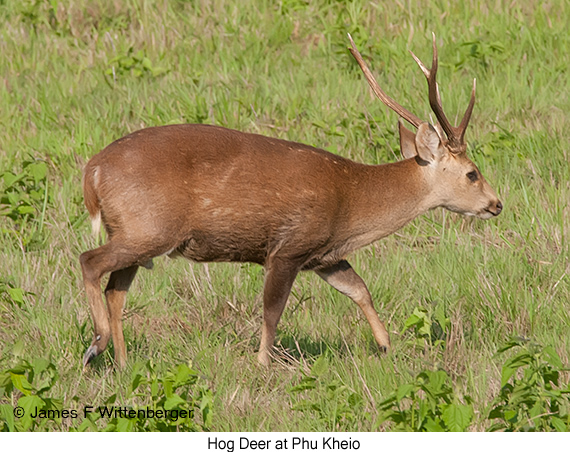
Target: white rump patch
{"x": 96, "y": 177}
{"x": 96, "y": 223}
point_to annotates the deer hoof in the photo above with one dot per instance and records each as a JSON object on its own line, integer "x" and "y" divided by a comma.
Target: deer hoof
{"x": 89, "y": 355}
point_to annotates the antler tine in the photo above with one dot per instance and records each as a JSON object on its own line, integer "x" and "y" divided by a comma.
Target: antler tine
{"x": 389, "y": 102}
{"x": 434, "y": 96}
{"x": 467, "y": 115}
{"x": 455, "y": 134}
{"x": 424, "y": 69}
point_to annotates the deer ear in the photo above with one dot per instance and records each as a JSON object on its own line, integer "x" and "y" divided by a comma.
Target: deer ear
{"x": 407, "y": 141}
{"x": 428, "y": 143}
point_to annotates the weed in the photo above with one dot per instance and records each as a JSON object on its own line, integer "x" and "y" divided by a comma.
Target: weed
{"x": 429, "y": 329}
{"x": 331, "y": 401}
{"x": 10, "y": 293}
{"x": 28, "y": 385}
{"x": 178, "y": 402}
{"x": 429, "y": 404}
{"x": 24, "y": 198}
{"x": 134, "y": 63}
{"x": 532, "y": 396}
{"x": 175, "y": 400}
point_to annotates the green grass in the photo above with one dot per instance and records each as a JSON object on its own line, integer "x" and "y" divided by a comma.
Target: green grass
{"x": 74, "y": 76}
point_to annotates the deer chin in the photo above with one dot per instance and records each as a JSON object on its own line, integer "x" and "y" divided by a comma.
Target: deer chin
{"x": 481, "y": 214}
{"x": 466, "y": 213}
{"x": 485, "y": 215}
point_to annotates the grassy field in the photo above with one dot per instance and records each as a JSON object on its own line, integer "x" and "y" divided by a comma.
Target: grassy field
{"x": 76, "y": 75}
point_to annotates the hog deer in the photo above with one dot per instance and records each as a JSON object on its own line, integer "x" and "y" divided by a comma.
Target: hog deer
{"x": 211, "y": 194}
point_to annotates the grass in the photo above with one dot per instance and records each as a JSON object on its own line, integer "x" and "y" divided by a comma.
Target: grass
{"x": 75, "y": 76}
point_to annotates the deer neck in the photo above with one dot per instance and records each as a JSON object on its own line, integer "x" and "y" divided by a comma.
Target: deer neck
{"x": 385, "y": 198}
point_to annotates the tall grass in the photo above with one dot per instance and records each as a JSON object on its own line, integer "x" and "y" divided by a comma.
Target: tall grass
{"x": 76, "y": 75}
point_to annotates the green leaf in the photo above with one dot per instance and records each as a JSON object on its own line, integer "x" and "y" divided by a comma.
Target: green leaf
{"x": 511, "y": 416}
{"x": 496, "y": 413}
{"x": 558, "y": 424}
{"x": 158, "y": 71}
{"x": 30, "y": 404}
{"x": 435, "y": 380}
{"x": 17, "y": 295}
{"x": 206, "y": 406}
{"x": 320, "y": 366}
{"x": 441, "y": 318}
{"x": 552, "y": 357}
{"x": 320, "y": 124}
{"x": 18, "y": 348}
{"x": 25, "y": 210}
{"x": 88, "y": 423}
{"x": 514, "y": 342}
{"x": 457, "y": 417}
{"x": 167, "y": 385}
{"x": 21, "y": 383}
{"x": 305, "y": 384}
{"x": 355, "y": 400}
{"x": 125, "y": 424}
{"x": 506, "y": 373}
{"x": 404, "y": 391}
{"x": 7, "y": 415}
{"x": 21, "y": 367}
{"x": 37, "y": 195}
{"x": 412, "y": 321}
{"x": 136, "y": 381}
{"x": 154, "y": 389}
{"x": 306, "y": 405}
{"x": 10, "y": 178}
{"x": 127, "y": 62}
{"x": 14, "y": 198}
{"x": 184, "y": 375}
{"x": 173, "y": 401}
{"x": 146, "y": 63}
{"x": 38, "y": 171}
{"x": 433, "y": 425}
{"x": 40, "y": 365}
{"x": 536, "y": 410}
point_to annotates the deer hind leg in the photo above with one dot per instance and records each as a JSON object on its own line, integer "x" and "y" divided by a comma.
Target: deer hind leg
{"x": 279, "y": 279}
{"x": 94, "y": 264}
{"x": 343, "y": 278}
{"x": 116, "y": 293}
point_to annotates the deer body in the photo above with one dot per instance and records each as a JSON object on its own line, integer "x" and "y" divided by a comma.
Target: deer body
{"x": 211, "y": 194}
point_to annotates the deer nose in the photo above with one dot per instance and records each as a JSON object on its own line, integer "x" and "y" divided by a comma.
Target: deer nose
{"x": 498, "y": 208}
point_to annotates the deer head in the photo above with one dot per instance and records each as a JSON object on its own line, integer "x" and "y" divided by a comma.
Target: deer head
{"x": 458, "y": 183}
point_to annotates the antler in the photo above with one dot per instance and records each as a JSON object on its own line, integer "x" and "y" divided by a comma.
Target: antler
{"x": 391, "y": 103}
{"x": 454, "y": 134}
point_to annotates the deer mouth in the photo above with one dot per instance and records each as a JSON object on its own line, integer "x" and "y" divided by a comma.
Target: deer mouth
{"x": 493, "y": 210}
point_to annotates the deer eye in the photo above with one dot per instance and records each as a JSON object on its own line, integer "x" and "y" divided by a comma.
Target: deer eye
{"x": 473, "y": 176}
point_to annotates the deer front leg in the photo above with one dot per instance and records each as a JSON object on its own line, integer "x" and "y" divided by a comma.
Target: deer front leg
{"x": 279, "y": 278}
{"x": 343, "y": 278}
